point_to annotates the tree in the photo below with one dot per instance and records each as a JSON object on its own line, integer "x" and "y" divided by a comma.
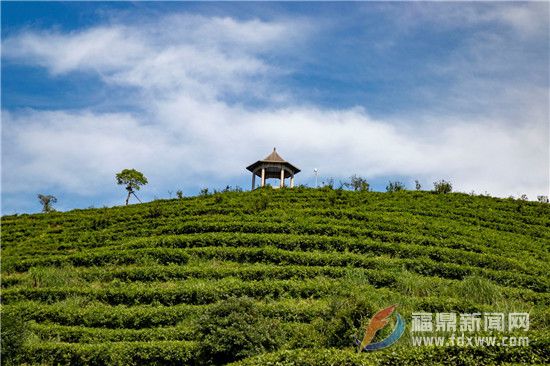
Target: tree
{"x": 47, "y": 201}
{"x": 395, "y": 187}
{"x": 417, "y": 185}
{"x": 132, "y": 179}
{"x": 443, "y": 186}
{"x": 542, "y": 199}
{"x": 358, "y": 184}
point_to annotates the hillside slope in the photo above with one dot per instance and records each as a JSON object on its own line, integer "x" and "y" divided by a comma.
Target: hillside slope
{"x": 289, "y": 275}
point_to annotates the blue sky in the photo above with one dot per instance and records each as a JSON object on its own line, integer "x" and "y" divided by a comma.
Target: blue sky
{"x": 191, "y": 93}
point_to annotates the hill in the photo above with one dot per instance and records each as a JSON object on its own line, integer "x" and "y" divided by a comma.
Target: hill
{"x": 286, "y": 277}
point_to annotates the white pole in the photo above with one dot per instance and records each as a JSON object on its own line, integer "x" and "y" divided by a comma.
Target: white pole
{"x": 315, "y": 171}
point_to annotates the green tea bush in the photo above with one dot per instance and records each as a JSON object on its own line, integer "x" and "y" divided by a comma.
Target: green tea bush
{"x": 236, "y": 329}
{"x": 14, "y": 332}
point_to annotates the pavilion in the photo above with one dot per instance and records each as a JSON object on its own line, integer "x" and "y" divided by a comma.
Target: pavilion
{"x": 273, "y": 166}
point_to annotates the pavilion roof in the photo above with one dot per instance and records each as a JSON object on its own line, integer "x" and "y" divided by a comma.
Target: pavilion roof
{"x": 273, "y": 158}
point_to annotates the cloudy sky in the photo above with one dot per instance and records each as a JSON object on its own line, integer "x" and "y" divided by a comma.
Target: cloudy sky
{"x": 192, "y": 93}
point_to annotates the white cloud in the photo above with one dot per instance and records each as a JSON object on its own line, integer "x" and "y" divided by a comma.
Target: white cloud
{"x": 81, "y": 151}
{"x": 188, "y": 132}
{"x": 525, "y": 19}
{"x": 208, "y": 57}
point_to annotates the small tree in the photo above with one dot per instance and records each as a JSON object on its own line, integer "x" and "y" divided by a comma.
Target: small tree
{"x": 47, "y": 201}
{"x": 395, "y": 187}
{"x": 132, "y": 179}
{"x": 443, "y": 186}
{"x": 542, "y": 199}
{"x": 179, "y": 194}
{"x": 358, "y": 183}
{"x": 417, "y": 185}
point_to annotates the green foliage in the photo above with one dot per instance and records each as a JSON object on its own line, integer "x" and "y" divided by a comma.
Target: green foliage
{"x": 261, "y": 203}
{"x": 14, "y": 332}
{"x": 132, "y": 179}
{"x": 47, "y": 202}
{"x": 395, "y": 187}
{"x": 443, "y": 186}
{"x": 146, "y": 284}
{"x": 154, "y": 210}
{"x": 53, "y": 277}
{"x": 179, "y": 194}
{"x": 479, "y": 289}
{"x": 409, "y": 356}
{"x": 342, "y": 323}
{"x": 236, "y": 329}
{"x": 542, "y": 199}
{"x": 358, "y": 184}
{"x": 112, "y": 353}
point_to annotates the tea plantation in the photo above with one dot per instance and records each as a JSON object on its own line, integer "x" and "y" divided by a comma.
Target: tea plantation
{"x": 270, "y": 277}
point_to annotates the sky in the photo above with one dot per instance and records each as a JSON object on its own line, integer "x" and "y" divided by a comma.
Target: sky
{"x": 190, "y": 93}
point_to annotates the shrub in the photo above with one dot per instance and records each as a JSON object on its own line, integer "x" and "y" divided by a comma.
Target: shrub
{"x": 479, "y": 289}
{"x": 261, "y": 203}
{"x": 358, "y": 184}
{"x": 343, "y": 320}
{"x": 443, "y": 186}
{"x": 14, "y": 331}
{"x": 154, "y": 211}
{"x": 542, "y": 199}
{"x": 236, "y": 329}
{"x": 395, "y": 187}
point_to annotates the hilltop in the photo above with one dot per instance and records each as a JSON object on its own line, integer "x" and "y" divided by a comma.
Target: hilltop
{"x": 286, "y": 275}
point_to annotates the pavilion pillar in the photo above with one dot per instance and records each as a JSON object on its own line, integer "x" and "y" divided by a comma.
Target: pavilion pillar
{"x": 253, "y": 180}
{"x": 282, "y": 178}
{"x": 292, "y": 181}
{"x": 263, "y": 177}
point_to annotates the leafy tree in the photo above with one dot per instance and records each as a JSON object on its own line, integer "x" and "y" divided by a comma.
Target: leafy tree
{"x": 443, "y": 186}
{"x": 395, "y": 187}
{"x": 417, "y": 185}
{"x": 542, "y": 199}
{"x": 132, "y": 179}
{"x": 179, "y": 194}
{"x": 358, "y": 184}
{"x": 47, "y": 201}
